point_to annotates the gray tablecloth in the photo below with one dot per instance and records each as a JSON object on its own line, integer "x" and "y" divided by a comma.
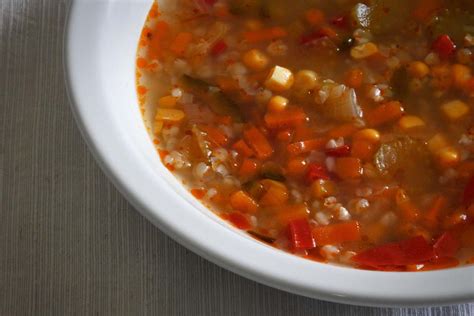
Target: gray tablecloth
{"x": 69, "y": 242}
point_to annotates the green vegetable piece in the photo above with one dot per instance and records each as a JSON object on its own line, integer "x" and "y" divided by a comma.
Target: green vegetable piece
{"x": 409, "y": 162}
{"x": 273, "y": 171}
{"x": 254, "y": 188}
{"x": 264, "y": 238}
{"x": 217, "y": 101}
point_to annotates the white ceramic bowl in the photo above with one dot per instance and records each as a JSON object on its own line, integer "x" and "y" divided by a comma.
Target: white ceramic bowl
{"x": 100, "y": 52}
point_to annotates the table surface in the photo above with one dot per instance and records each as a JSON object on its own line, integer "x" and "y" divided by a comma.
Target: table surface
{"x": 69, "y": 242}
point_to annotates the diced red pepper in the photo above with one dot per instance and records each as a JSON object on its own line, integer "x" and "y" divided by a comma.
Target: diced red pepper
{"x": 218, "y": 48}
{"x": 411, "y": 251}
{"x": 239, "y": 220}
{"x": 468, "y": 196}
{"x": 444, "y": 46}
{"x": 314, "y": 172}
{"x": 446, "y": 245}
{"x": 301, "y": 236}
{"x": 340, "y": 151}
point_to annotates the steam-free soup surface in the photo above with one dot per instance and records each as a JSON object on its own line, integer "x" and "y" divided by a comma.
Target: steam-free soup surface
{"x": 338, "y": 131}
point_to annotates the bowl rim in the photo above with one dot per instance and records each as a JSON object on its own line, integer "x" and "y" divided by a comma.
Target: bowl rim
{"x": 322, "y": 281}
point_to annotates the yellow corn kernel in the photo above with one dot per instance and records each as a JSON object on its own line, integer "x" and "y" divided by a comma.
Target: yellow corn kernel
{"x": 255, "y": 60}
{"x": 437, "y": 142}
{"x": 279, "y": 79}
{"x": 368, "y": 134}
{"x": 455, "y": 110}
{"x": 172, "y": 115}
{"x": 158, "y": 127}
{"x": 418, "y": 69}
{"x": 364, "y": 50}
{"x": 306, "y": 80}
{"x": 277, "y": 103}
{"x": 323, "y": 188}
{"x": 461, "y": 74}
{"x": 448, "y": 157}
{"x": 410, "y": 121}
{"x": 167, "y": 101}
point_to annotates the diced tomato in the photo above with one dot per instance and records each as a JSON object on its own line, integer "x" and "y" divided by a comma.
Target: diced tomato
{"x": 446, "y": 245}
{"x": 411, "y": 251}
{"x": 468, "y": 196}
{"x": 314, "y": 172}
{"x": 239, "y": 220}
{"x": 218, "y": 48}
{"x": 444, "y": 46}
{"x": 340, "y": 151}
{"x": 301, "y": 236}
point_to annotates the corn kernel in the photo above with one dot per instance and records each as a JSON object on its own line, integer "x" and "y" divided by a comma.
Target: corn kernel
{"x": 437, "y": 142}
{"x": 323, "y": 188}
{"x": 364, "y": 50}
{"x": 279, "y": 79}
{"x": 167, "y": 101}
{"x": 461, "y": 74}
{"x": 306, "y": 80}
{"x": 172, "y": 115}
{"x": 368, "y": 134}
{"x": 277, "y": 103}
{"x": 255, "y": 60}
{"x": 418, "y": 69}
{"x": 410, "y": 121}
{"x": 455, "y": 110}
{"x": 448, "y": 157}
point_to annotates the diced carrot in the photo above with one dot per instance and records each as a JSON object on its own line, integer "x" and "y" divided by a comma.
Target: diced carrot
{"x": 441, "y": 263}
{"x": 432, "y": 215}
{"x": 241, "y": 201}
{"x": 215, "y": 136}
{"x": 249, "y": 168}
{"x": 314, "y": 17}
{"x": 239, "y": 220}
{"x": 242, "y": 148}
{"x": 285, "y": 118}
{"x": 344, "y": 130}
{"x": 276, "y": 193}
{"x": 461, "y": 75}
{"x": 258, "y": 142}
{"x": 337, "y": 233}
{"x": 141, "y": 62}
{"x": 181, "y": 43}
{"x": 362, "y": 149}
{"x": 198, "y": 193}
{"x": 296, "y": 166}
{"x": 385, "y": 113}
{"x": 292, "y": 212}
{"x": 284, "y": 136}
{"x": 142, "y": 90}
{"x": 306, "y": 146}
{"x": 354, "y": 78}
{"x": 302, "y": 132}
{"x": 163, "y": 153}
{"x": 267, "y": 34}
{"x": 348, "y": 167}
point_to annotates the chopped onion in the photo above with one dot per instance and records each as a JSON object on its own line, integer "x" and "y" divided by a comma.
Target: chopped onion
{"x": 342, "y": 106}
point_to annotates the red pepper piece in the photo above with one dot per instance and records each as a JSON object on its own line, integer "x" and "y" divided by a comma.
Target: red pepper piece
{"x": 340, "y": 151}
{"x": 411, "y": 251}
{"x": 468, "y": 196}
{"x": 314, "y": 172}
{"x": 239, "y": 220}
{"x": 444, "y": 46}
{"x": 301, "y": 236}
{"x": 218, "y": 48}
{"x": 446, "y": 245}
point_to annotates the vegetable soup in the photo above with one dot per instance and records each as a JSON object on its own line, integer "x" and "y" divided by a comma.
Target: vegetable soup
{"x": 338, "y": 131}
